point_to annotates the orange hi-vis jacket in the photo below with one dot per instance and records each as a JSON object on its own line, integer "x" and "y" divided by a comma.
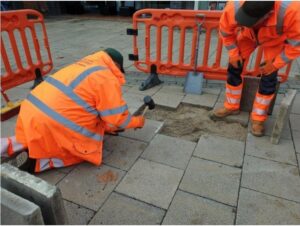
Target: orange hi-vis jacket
{"x": 63, "y": 120}
{"x": 279, "y": 36}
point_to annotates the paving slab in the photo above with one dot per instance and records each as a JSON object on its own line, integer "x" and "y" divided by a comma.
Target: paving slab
{"x": 134, "y": 101}
{"x": 94, "y": 184}
{"x": 150, "y": 92}
{"x": 169, "y": 100}
{"x": 204, "y": 100}
{"x": 296, "y": 105}
{"x": 242, "y": 118}
{"x": 8, "y": 127}
{"x": 151, "y": 182}
{"x": 269, "y": 125}
{"x": 296, "y": 139}
{"x": 189, "y": 209}
{"x": 257, "y": 209}
{"x": 262, "y": 147}
{"x": 212, "y": 180}
{"x": 220, "y": 149}
{"x": 172, "y": 89}
{"x": 120, "y": 210}
{"x": 271, "y": 177}
{"x": 125, "y": 152}
{"x": 52, "y": 176}
{"x": 295, "y": 122}
{"x": 36, "y": 190}
{"x": 209, "y": 90}
{"x": 282, "y": 118}
{"x": 170, "y": 151}
{"x": 16, "y": 210}
{"x": 150, "y": 129}
{"x": 78, "y": 215}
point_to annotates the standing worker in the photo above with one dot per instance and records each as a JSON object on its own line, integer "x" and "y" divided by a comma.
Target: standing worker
{"x": 63, "y": 120}
{"x": 245, "y": 25}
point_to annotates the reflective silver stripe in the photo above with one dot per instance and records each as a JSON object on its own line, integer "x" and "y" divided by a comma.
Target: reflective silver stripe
{"x": 114, "y": 111}
{"x": 123, "y": 126}
{"x": 71, "y": 94}
{"x": 57, "y": 163}
{"x": 84, "y": 74}
{"x": 284, "y": 57}
{"x": 224, "y": 34}
{"x": 293, "y": 42}
{"x": 230, "y": 47}
{"x": 62, "y": 120}
{"x": 16, "y": 146}
{"x": 259, "y": 111}
{"x": 233, "y": 100}
{"x": 236, "y": 6}
{"x": 4, "y": 146}
{"x": 280, "y": 16}
{"x": 234, "y": 92}
{"x": 262, "y": 101}
{"x": 44, "y": 164}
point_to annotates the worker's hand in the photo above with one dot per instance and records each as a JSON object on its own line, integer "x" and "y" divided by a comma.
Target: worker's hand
{"x": 267, "y": 68}
{"x": 140, "y": 122}
{"x": 236, "y": 62}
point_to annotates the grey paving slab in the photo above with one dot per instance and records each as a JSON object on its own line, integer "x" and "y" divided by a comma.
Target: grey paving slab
{"x": 256, "y": 209}
{"x": 8, "y": 127}
{"x": 172, "y": 89}
{"x": 125, "y": 151}
{"x": 220, "y": 149}
{"x": 78, "y": 215}
{"x": 296, "y": 139}
{"x": 295, "y": 122}
{"x": 150, "y": 92}
{"x": 145, "y": 134}
{"x": 209, "y": 90}
{"x": 271, "y": 177}
{"x": 151, "y": 182}
{"x": 296, "y": 105}
{"x": 269, "y": 125}
{"x": 134, "y": 101}
{"x": 212, "y": 180}
{"x": 261, "y": 147}
{"x": 242, "y": 118}
{"x": 189, "y": 209}
{"x": 94, "y": 184}
{"x": 170, "y": 100}
{"x": 120, "y": 210}
{"x": 204, "y": 100}
{"x": 51, "y": 176}
{"x": 170, "y": 151}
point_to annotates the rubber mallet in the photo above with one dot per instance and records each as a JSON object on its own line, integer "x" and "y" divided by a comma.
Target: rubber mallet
{"x": 149, "y": 103}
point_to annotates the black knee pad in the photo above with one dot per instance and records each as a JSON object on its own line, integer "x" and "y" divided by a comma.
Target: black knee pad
{"x": 234, "y": 75}
{"x": 267, "y": 85}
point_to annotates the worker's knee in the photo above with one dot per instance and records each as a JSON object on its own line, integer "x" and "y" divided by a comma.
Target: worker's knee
{"x": 234, "y": 75}
{"x": 267, "y": 85}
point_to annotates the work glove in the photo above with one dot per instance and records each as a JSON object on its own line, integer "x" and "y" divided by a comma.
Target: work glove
{"x": 267, "y": 68}
{"x": 139, "y": 122}
{"x": 236, "y": 61}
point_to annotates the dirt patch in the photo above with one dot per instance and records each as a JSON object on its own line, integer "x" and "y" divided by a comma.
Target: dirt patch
{"x": 108, "y": 176}
{"x": 189, "y": 123}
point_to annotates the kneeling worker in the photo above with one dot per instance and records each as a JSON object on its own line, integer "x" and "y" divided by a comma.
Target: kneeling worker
{"x": 63, "y": 120}
{"x": 273, "y": 25}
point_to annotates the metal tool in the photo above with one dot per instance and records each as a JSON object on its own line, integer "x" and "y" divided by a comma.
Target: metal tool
{"x": 149, "y": 103}
{"x": 194, "y": 80}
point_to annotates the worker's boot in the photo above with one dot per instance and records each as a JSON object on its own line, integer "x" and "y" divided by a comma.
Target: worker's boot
{"x": 223, "y": 112}
{"x": 257, "y": 128}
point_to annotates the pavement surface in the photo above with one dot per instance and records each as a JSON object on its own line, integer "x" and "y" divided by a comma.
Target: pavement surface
{"x": 150, "y": 178}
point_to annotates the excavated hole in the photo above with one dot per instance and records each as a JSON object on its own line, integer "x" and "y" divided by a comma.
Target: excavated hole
{"x": 190, "y": 122}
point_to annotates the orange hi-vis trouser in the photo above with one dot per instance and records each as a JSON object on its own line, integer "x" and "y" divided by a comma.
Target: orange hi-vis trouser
{"x": 234, "y": 84}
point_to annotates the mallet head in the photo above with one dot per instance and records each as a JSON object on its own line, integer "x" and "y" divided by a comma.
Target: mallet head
{"x": 148, "y": 101}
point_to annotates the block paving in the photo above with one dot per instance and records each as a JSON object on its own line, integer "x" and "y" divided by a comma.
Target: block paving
{"x": 149, "y": 178}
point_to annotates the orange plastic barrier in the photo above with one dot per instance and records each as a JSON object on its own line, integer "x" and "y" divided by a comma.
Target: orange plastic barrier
{"x": 166, "y": 24}
{"x": 31, "y": 58}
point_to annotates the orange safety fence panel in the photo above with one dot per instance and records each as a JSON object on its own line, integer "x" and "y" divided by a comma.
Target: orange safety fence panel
{"x": 167, "y": 39}
{"x": 24, "y": 47}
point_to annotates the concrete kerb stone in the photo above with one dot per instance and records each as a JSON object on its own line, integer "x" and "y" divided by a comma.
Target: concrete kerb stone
{"x": 34, "y": 189}
{"x": 282, "y": 117}
{"x": 16, "y": 210}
